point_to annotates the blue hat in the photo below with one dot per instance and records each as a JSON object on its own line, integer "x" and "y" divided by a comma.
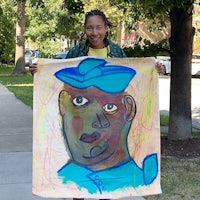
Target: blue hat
{"x": 95, "y": 72}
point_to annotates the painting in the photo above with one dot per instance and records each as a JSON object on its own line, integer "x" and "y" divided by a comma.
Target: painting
{"x": 96, "y": 128}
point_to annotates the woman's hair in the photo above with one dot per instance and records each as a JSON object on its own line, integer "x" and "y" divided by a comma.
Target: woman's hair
{"x": 99, "y": 13}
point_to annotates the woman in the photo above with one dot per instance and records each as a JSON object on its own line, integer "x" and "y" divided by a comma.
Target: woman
{"x": 96, "y": 27}
{"x": 97, "y": 44}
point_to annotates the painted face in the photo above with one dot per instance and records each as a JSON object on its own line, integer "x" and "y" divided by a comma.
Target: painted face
{"x": 95, "y": 30}
{"x": 95, "y": 127}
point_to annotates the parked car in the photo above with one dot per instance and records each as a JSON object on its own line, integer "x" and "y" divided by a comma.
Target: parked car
{"x": 196, "y": 65}
{"x": 28, "y": 56}
{"x": 166, "y": 62}
{"x": 36, "y": 54}
{"x": 61, "y": 55}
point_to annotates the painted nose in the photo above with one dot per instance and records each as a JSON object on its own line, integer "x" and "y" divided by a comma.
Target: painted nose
{"x": 101, "y": 121}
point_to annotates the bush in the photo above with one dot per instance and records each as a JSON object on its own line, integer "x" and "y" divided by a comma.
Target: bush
{"x": 148, "y": 49}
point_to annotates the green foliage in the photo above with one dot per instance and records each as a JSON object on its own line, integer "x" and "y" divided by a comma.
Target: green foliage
{"x": 157, "y": 11}
{"x": 74, "y": 6}
{"x": 50, "y": 20}
{"x": 147, "y": 10}
{"x": 7, "y": 32}
{"x": 148, "y": 49}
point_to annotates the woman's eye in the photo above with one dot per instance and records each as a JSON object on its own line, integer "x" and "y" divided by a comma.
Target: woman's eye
{"x": 89, "y": 29}
{"x": 99, "y": 28}
{"x": 110, "y": 108}
{"x": 80, "y": 101}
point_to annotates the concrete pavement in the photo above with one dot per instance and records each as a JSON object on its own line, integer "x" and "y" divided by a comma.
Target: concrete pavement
{"x": 164, "y": 99}
{"x": 16, "y": 149}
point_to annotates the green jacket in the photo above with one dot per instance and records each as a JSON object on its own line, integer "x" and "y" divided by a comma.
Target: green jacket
{"x": 81, "y": 50}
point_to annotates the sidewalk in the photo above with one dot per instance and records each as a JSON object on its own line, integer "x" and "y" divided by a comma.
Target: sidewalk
{"x": 16, "y": 149}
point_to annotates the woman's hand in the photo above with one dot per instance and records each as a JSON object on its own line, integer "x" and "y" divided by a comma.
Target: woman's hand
{"x": 33, "y": 68}
{"x": 160, "y": 68}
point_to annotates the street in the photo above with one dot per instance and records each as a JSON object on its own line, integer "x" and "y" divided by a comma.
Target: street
{"x": 164, "y": 97}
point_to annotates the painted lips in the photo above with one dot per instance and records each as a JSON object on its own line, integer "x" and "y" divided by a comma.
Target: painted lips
{"x": 89, "y": 138}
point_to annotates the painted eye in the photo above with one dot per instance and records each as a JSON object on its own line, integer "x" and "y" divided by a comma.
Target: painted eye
{"x": 80, "y": 101}
{"x": 110, "y": 108}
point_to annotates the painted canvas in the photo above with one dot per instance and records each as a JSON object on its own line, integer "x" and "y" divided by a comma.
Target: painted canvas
{"x": 96, "y": 128}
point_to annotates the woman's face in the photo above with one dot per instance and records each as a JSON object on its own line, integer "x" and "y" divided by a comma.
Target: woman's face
{"x": 95, "y": 30}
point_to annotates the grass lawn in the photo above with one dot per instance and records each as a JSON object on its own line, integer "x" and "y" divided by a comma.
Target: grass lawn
{"x": 20, "y": 86}
{"x": 180, "y": 178}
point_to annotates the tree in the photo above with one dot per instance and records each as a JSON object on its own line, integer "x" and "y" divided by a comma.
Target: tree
{"x": 45, "y": 20}
{"x": 181, "y": 40}
{"x": 180, "y": 14}
{"x": 20, "y": 41}
{"x": 50, "y": 20}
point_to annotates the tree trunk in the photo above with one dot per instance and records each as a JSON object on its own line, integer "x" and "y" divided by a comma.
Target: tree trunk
{"x": 120, "y": 29}
{"x": 20, "y": 41}
{"x": 182, "y": 33}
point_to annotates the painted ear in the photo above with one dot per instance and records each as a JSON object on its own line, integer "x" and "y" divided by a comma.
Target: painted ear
{"x": 130, "y": 106}
{"x": 62, "y": 101}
